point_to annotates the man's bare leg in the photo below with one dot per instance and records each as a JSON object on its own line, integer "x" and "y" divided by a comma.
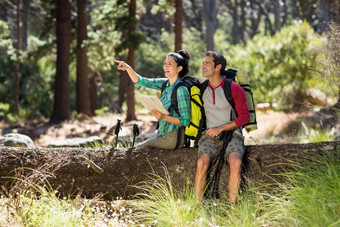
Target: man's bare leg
{"x": 202, "y": 166}
{"x": 235, "y": 163}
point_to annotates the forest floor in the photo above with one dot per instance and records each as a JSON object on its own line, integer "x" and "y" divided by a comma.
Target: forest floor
{"x": 273, "y": 127}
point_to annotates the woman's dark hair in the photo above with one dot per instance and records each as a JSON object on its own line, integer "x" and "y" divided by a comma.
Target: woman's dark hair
{"x": 218, "y": 59}
{"x": 182, "y": 59}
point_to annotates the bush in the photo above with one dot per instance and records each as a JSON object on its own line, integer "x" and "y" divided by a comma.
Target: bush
{"x": 280, "y": 67}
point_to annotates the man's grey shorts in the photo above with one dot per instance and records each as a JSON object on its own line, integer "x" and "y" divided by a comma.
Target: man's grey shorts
{"x": 213, "y": 146}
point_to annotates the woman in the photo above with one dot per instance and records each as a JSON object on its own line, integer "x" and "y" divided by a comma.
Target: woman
{"x": 176, "y": 66}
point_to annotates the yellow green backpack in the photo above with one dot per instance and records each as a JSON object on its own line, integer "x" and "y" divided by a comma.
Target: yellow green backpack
{"x": 193, "y": 131}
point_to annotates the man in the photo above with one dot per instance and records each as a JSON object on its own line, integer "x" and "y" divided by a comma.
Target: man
{"x": 218, "y": 119}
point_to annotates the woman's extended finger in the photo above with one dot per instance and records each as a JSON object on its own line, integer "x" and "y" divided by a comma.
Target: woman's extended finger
{"x": 121, "y": 65}
{"x": 119, "y": 62}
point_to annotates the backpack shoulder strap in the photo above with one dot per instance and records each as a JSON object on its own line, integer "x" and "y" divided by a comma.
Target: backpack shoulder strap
{"x": 164, "y": 85}
{"x": 203, "y": 86}
{"x": 174, "y": 103}
{"x": 227, "y": 92}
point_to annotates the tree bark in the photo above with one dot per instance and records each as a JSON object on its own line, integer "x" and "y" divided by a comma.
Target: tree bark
{"x": 130, "y": 94}
{"x": 178, "y": 24}
{"x": 82, "y": 84}
{"x": 3, "y": 11}
{"x": 267, "y": 17}
{"x": 324, "y": 5}
{"x": 17, "y": 47}
{"x": 209, "y": 11}
{"x": 255, "y": 19}
{"x": 24, "y": 21}
{"x": 243, "y": 24}
{"x": 277, "y": 15}
{"x": 118, "y": 171}
{"x": 63, "y": 32}
{"x": 285, "y": 12}
{"x": 235, "y": 17}
{"x": 193, "y": 18}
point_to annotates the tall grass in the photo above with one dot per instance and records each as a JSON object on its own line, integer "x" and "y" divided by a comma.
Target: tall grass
{"x": 37, "y": 204}
{"x": 309, "y": 197}
{"x": 314, "y": 191}
{"x": 317, "y": 135}
{"x": 160, "y": 204}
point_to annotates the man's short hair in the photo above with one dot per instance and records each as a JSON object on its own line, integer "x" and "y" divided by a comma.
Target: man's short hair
{"x": 218, "y": 59}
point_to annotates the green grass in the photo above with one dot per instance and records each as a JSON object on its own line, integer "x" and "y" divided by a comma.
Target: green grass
{"x": 161, "y": 205}
{"x": 37, "y": 204}
{"x": 314, "y": 191}
{"x": 317, "y": 135}
{"x": 310, "y": 196}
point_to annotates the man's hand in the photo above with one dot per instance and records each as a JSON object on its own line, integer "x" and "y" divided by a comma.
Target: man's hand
{"x": 213, "y": 132}
{"x": 158, "y": 115}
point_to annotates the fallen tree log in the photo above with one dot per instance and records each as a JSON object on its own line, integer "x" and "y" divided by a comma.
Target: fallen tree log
{"x": 115, "y": 172}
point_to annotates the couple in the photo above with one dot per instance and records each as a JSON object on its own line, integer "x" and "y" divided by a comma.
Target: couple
{"x": 217, "y": 111}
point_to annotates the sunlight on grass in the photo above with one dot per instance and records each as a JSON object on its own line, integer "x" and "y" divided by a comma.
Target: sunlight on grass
{"x": 37, "y": 205}
{"x": 40, "y": 205}
{"x": 310, "y": 196}
{"x": 317, "y": 135}
{"x": 161, "y": 204}
{"x": 314, "y": 191}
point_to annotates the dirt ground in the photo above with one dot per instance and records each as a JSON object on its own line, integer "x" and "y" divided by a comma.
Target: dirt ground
{"x": 270, "y": 124}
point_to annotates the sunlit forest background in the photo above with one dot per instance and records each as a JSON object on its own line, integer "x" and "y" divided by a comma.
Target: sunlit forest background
{"x": 56, "y": 57}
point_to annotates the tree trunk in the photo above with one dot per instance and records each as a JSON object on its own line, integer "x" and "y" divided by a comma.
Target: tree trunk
{"x": 235, "y": 27}
{"x": 130, "y": 94}
{"x": 243, "y": 6}
{"x": 3, "y": 11}
{"x": 336, "y": 5}
{"x": 17, "y": 47}
{"x": 255, "y": 19}
{"x": 264, "y": 11}
{"x": 277, "y": 15}
{"x": 178, "y": 24}
{"x": 285, "y": 12}
{"x": 209, "y": 11}
{"x": 24, "y": 21}
{"x": 82, "y": 91}
{"x": 324, "y": 5}
{"x": 115, "y": 172}
{"x": 63, "y": 32}
{"x": 196, "y": 16}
